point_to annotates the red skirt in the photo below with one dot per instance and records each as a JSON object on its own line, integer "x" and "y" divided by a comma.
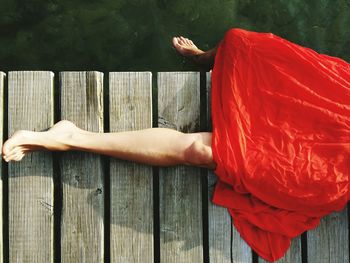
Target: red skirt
{"x": 281, "y": 137}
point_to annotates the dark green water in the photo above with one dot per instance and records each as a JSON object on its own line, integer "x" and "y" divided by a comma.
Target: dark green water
{"x": 119, "y": 35}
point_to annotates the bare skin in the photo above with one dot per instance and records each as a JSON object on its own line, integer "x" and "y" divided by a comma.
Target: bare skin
{"x": 186, "y": 48}
{"x": 154, "y": 146}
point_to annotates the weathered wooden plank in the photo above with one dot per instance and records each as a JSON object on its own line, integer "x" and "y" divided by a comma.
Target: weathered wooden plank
{"x": 329, "y": 242}
{"x": 2, "y": 78}
{"x": 82, "y": 232}
{"x": 30, "y": 102}
{"x": 180, "y": 186}
{"x": 220, "y": 225}
{"x": 220, "y": 230}
{"x": 131, "y": 230}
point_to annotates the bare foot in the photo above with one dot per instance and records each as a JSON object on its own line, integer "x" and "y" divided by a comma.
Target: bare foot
{"x": 186, "y": 47}
{"x": 54, "y": 139}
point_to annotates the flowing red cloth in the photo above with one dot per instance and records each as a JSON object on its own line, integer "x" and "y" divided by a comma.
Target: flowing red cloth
{"x": 281, "y": 137}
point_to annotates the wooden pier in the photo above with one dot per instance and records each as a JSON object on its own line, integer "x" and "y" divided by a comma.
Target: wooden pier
{"x": 85, "y": 207}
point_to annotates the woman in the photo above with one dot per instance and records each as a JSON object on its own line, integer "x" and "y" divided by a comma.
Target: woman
{"x": 280, "y": 144}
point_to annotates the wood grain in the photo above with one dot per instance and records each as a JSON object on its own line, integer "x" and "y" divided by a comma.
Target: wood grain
{"x": 131, "y": 230}
{"x": 82, "y": 230}
{"x": 30, "y": 183}
{"x": 221, "y": 231}
{"x": 181, "y": 236}
{"x": 2, "y": 79}
{"x": 329, "y": 242}
{"x": 30, "y": 102}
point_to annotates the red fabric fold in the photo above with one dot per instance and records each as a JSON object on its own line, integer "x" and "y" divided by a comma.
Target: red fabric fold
{"x": 281, "y": 137}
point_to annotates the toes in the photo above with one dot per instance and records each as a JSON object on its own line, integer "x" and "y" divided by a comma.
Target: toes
{"x": 26, "y": 149}
{"x": 6, "y": 148}
{"x": 175, "y": 41}
{"x": 12, "y": 153}
{"x": 18, "y": 156}
{"x": 179, "y": 42}
{"x": 7, "y": 158}
{"x": 184, "y": 46}
{"x": 15, "y": 157}
{"x": 183, "y": 40}
{"x": 10, "y": 156}
{"x": 13, "y": 141}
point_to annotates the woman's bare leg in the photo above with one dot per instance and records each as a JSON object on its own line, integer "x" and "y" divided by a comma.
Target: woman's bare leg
{"x": 154, "y": 146}
{"x": 187, "y": 48}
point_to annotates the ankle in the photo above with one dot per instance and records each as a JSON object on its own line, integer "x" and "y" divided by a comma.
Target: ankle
{"x": 72, "y": 139}
{"x": 205, "y": 60}
{"x": 59, "y": 142}
{"x": 196, "y": 55}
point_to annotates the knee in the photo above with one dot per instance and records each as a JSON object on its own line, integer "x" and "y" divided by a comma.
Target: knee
{"x": 199, "y": 154}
